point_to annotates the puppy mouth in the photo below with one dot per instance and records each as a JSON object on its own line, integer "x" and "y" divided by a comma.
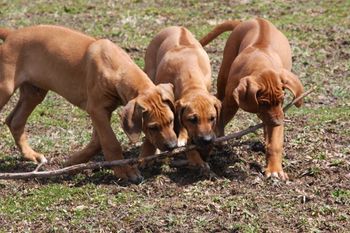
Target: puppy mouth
{"x": 168, "y": 146}
{"x": 203, "y": 142}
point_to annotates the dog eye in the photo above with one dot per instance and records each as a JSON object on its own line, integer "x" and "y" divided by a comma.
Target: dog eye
{"x": 153, "y": 127}
{"x": 193, "y": 120}
{"x": 259, "y": 94}
{"x": 212, "y": 119}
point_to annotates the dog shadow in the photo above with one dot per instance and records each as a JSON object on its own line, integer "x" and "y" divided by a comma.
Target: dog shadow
{"x": 224, "y": 162}
{"x": 11, "y": 164}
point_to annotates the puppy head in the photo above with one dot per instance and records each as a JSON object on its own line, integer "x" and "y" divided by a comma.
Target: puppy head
{"x": 152, "y": 113}
{"x": 198, "y": 114}
{"x": 264, "y": 94}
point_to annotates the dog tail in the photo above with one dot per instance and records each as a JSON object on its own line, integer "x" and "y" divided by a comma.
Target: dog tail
{"x": 4, "y": 32}
{"x": 228, "y": 25}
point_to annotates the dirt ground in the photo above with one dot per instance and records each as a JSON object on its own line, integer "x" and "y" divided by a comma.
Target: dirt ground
{"x": 317, "y": 136}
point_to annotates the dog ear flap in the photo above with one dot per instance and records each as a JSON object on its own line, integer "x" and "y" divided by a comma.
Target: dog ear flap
{"x": 293, "y": 84}
{"x": 167, "y": 92}
{"x": 217, "y": 105}
{"x": 131, "y": 117}
{"x": 179, "y": 109}
{"x": 245, "y": 94}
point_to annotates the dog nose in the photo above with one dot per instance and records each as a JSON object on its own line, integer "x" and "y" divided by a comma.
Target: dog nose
{"x": 171, "y": 145}
{"x": 206, "y": 140}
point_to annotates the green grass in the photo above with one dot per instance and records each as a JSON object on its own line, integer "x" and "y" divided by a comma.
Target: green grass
{"x": 342, "y": 196}
{"x": 65, "y": 203}
{"x": 321, "y": 115}
{"x": 51, "y": 198}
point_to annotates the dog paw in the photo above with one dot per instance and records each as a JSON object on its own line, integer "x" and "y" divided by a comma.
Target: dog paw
{"x": 128, "y": 173}
{"x": 207, "y": 172}
{"x": 144, "y": 164}
{"x": 37, "y": 158}
{"x": 205, "y": 167}
{"x": 280, "y": 174}
{"x": 220, "y": 145}
{"x": 181, "y": 142}
{"x": 41, "y": 159}
{"x": 73, "y": 160}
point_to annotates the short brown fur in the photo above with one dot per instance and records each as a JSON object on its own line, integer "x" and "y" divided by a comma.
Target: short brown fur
{"x": 95, "y": 75}
{"x": 175, "y": 56}
{"x": 254, "y": 72}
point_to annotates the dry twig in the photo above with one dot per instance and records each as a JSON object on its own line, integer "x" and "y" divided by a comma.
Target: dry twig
{"x": 134, "y": 161}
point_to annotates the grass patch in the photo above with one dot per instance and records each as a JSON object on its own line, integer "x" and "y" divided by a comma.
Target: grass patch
{"x": 342, "y": 196}
{"x": 322, "y": 114}
{"x": 55, "y": 202}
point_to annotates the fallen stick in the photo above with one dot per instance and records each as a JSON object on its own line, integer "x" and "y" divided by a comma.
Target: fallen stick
{"x": 133, "y": 161}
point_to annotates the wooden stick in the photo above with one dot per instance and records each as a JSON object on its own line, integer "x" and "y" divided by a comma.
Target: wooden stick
{"x": 93, "y": 165}
{"x": 134, "y": 161}
{"x": 39, "y": 166}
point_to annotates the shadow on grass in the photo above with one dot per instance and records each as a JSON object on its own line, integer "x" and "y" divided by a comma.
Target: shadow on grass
{"x": 224, "y": 163}
{"x": 15, "y": 164}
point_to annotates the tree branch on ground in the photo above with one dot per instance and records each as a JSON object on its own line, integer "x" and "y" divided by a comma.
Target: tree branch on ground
{"x": 135, "y": 161}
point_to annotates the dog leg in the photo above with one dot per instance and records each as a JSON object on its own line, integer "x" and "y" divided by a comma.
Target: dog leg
{"x": 205, "y": 152}
{"x": 183, "y": 137}
{"x": 110, "y": 146}
{"x": 195, "y": 160}
{"x": 147, "y": 149}
{"x": 151, "y": 59}
{"x": 30, "y": 97}
{"x": 274, "y": 149}
{"x": 230, "y": 53}
{"x": 7, "y": 85}
{"x": 228, "y": 110}
{"x": 5, "y": 95}
{"x": 87, "y": 153}
{"x": 222, "y": 79}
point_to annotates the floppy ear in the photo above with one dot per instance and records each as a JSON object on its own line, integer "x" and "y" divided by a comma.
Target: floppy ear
{"x": 179, "y": 109}
{"x": 131, "y": 116}
{"x": 245, "y": 94}
{"x": 217, "y": 105}
{"x": 293, "y": 84}
{"x": 167, "y": 92}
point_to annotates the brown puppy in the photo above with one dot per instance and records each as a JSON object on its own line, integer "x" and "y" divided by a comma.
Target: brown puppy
{"x": 95, "y": 75}
{"x": 255, "y": 70}
{"x": 175, "y": 56}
